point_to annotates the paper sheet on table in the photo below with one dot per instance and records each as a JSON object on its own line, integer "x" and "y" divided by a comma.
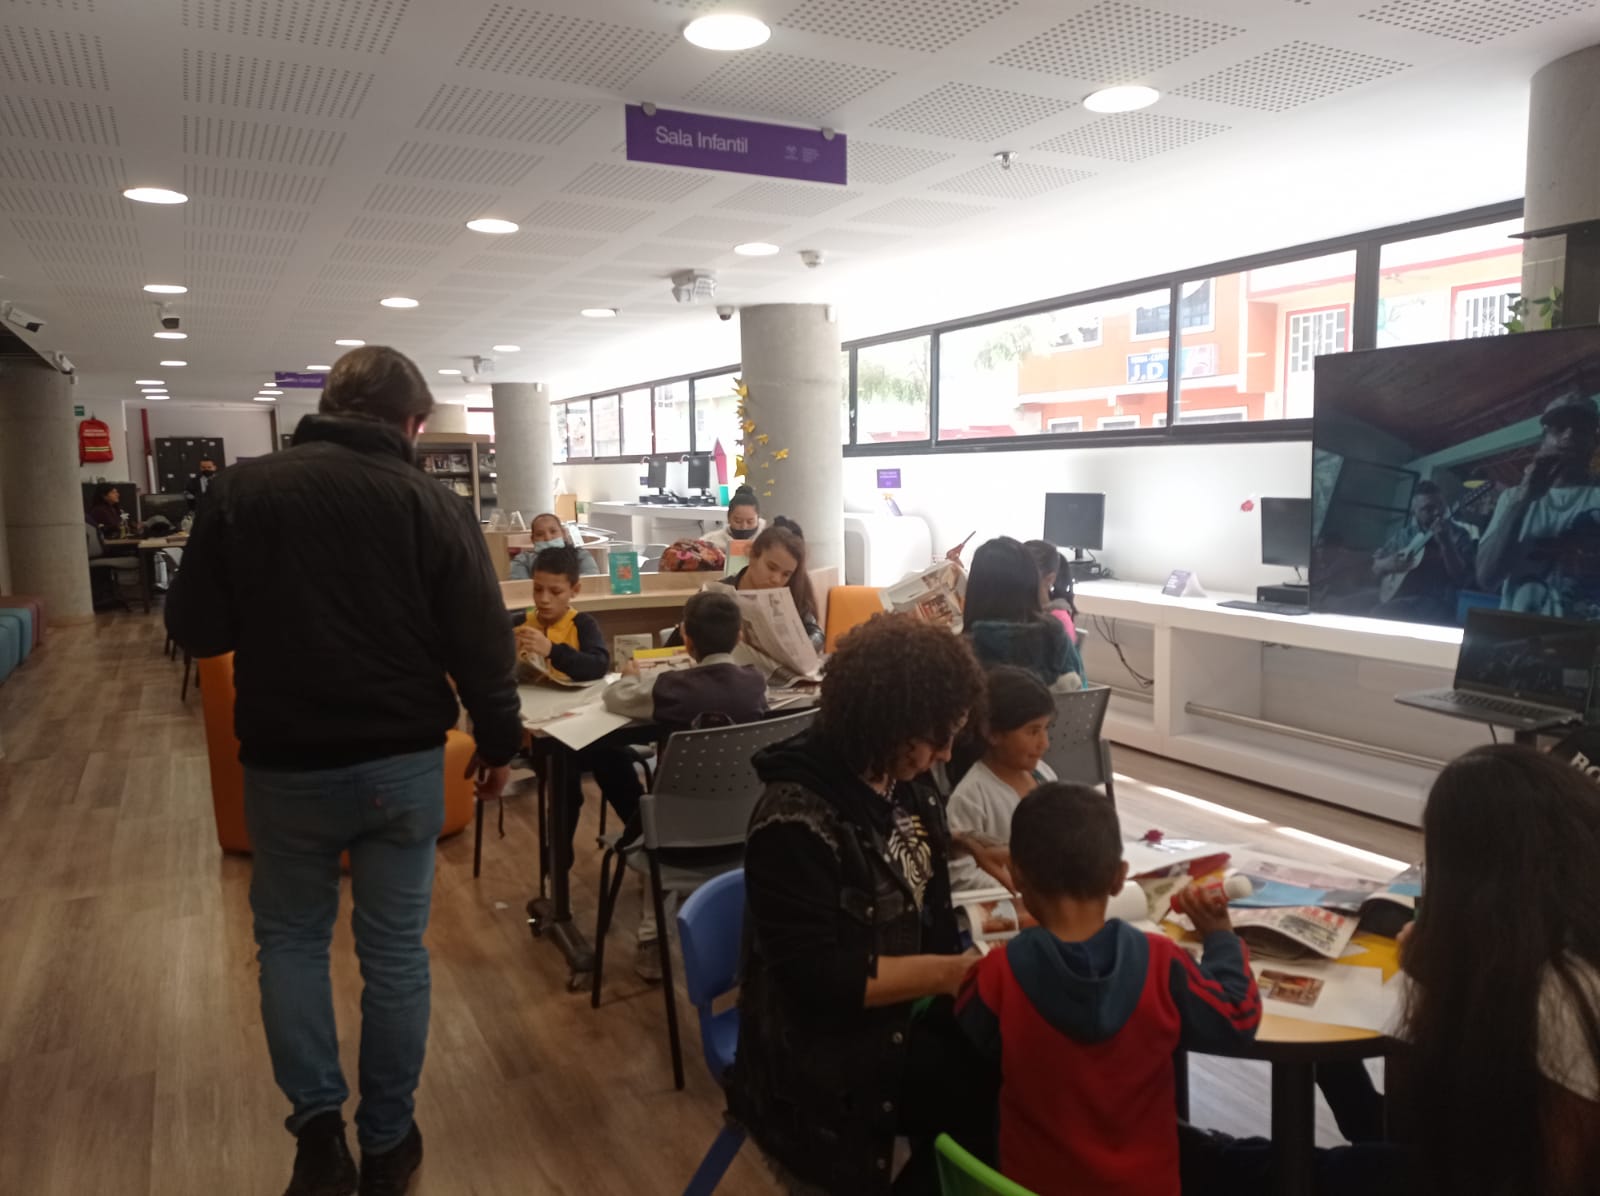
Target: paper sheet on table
{"x": 1339, "y": 994}
{"x": 581, "y": 727}
{"x": 1145, "y": 857}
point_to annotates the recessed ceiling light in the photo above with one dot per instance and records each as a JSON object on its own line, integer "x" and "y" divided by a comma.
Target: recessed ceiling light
{"x": 154, "y": 195}
{"x": 599, "y": 313}
{"x": 756, "y": 249}
{"x": 154, "y": 390}
{"x": 1121, "y": 99}
{"x": 267, "y": 390}
{"x": 350, "y": 344}
{"x": 398, "y": 301}
{"x": 149, "y": 381}
{"x": 172, "y": 336}
{"x": 319, "y": 369}
{"x": 156, "y": 398}
{"x": 488, "y": 224}
{"x": 266, "y": 398}
{"x": 726, "y": 31}
{"x": 451, "y": 373}
{"x": 507, "y": 349}
{"x": 175, "y": 363}
{"x": 165, "y": 288}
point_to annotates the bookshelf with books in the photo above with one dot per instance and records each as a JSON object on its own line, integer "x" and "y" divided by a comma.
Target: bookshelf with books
{"x": 462, "y": 463}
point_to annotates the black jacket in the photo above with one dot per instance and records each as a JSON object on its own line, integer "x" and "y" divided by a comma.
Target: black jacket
{"x": 817, "y": 1074}
{"x": 349, "y": 585}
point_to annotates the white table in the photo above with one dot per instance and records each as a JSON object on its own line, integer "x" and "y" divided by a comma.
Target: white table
{"x": 1303, "y": 703}
{"x": 656, "y": 523}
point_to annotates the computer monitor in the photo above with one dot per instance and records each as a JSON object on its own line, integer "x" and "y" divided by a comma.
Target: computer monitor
{"x": 658, "y": 472}
{"x": 1286, "y": 532}
{"x": 1075, "y": 520}
{"x": 171, "y": 507}
{"x": 699, "y": 471}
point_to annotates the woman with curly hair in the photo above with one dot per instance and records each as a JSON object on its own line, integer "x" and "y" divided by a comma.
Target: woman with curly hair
{"x": 850, "y": 926}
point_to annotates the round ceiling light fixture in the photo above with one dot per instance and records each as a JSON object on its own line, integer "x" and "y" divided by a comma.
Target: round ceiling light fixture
{"x": 154, "y": 195}
{"x": 489, "y": 224}
{"x": 165, "y": 288}
{"x": 266, "y": 398}
{"x": 398, "y": 301}
{"x": 175, "y": 364}
{"x": 158, "y": 389}
{"x": 1129, "y": 98}
{"x": 157, "y": 398}
{"x": 350, "y": 344}
{"x": 726, "y": 31}
{"x": 149, "y": 381}
{"x": 318, "y": 369}
{"x": 507, "y": 349}
{"x": 267, "y": 390}
{"x": 171, "y": 336}
{"x": 600, "y": 313}
{"x": 756, "y": 249}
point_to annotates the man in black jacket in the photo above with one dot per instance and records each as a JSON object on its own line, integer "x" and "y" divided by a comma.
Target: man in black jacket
{"x": 352, "y": 589}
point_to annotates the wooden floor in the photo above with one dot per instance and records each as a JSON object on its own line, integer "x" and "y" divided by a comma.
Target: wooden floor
{"x": 131, "y": 1052}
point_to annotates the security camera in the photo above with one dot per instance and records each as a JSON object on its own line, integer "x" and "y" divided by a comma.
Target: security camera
{"x": 59, "y": 360}
{"x": 725, "y": 311}
{"x": 15, "y": 315}
{"x": 169, "y": 318}
{"x": 811, "y": 257}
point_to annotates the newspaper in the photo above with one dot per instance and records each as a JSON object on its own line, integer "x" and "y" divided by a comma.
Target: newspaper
{"x": 772, "y": 627}
{"x": 934, "y": 595}
{"x": 536, "y": 670}
{"x": 991, "y": 915}
{"x": 1294, "y": 932}
{"x": 1382, "y": 906}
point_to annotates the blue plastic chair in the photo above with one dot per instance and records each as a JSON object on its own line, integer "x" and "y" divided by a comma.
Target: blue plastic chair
{"x": 710, "y": 928}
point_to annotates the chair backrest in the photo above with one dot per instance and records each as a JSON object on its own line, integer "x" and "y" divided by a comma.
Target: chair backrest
{"x": 706, "y": 788}
{"x": 848, "y": 608}
{"x": 960, "y": 1174}
{"x": 710, "y": 925}
{"x": 1076, "y": 752}
{"x": 91, "y": 540}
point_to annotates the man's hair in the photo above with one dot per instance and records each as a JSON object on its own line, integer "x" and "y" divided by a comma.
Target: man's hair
{"x": 712, "y": 620}
{"x": 376, "y": 382}
{"x": 1065, "y": 841}
{"x": 1426, "y": 487}
{"x": 561, "y": 561}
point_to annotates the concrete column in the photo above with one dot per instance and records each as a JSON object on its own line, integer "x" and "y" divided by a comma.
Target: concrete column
{"x": 39, "y": 490}
{"x": 790, "y": 363}
{"x": 522, "y": 447}
{"x": 1563, "y": 183}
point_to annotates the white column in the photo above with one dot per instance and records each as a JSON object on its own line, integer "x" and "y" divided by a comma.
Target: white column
{"x": 42, "y": 500}
{"x": 522, "y": 447}
{"x": 1563, "y": 179}
{"x": 790, "y": 363}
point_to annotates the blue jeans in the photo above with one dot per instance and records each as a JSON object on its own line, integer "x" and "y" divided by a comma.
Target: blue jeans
{"x": 387, "y": 814}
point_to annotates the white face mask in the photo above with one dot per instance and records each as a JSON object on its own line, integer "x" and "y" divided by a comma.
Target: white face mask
{"x": 539, "y": 545}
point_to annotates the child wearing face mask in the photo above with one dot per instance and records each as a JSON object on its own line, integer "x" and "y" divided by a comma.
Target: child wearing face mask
{"x": 549, "y": 532}
{"x": 744, "y": 521}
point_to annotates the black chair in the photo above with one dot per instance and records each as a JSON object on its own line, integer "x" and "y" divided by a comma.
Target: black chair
{"x": 1077, "y": 750}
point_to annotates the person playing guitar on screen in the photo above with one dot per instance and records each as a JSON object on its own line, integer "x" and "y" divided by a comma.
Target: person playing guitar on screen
{"x": 1426, "y": 562}
{"x": 1542, "y": 547}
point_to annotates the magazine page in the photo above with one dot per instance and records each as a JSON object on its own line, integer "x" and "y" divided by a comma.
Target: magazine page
{"x": 1156, "y": 854}
{"x": 934, "y": 595}
{"x": 1332, "y": 993}
{"x": 535, "y": 670}
{"x": 773, "y": 628}
{"x": 1294, "y": 932}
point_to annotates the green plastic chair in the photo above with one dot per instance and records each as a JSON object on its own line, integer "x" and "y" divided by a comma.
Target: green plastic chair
{"x": 960, "y": 1174}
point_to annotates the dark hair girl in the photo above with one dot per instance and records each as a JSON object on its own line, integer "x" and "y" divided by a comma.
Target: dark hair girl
{"x": 777, "y": 559}
{"x": 1005, "y": 617}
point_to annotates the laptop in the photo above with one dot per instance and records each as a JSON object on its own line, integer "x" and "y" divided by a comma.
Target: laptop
{"x": 1526, "y": 672}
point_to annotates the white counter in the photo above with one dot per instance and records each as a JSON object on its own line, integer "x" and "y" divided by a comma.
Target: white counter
{"x": 1330, "y": 675}
{"x": 655, "y": 523}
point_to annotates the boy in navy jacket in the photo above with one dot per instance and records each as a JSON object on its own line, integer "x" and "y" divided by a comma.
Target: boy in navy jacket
{"x": 1083, "y": 1015}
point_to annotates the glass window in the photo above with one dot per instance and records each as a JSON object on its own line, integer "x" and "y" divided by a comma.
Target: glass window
{"x": 480, "y": 421}
{"x": 607, "y": 427}
{"x": 844, "y": 397}
{"x": 1449, "y": 286}
{"x": 892, "y": 391}
{"x": 580, "y": 445}
{"x": 558, "y": 431}
{"x": 638, "y": 439}
{"x": 1253, "y": 356}
{"x": 716, "y": 417}
{"x": 1056, "y": 372}
{"x": 672, "y": 418}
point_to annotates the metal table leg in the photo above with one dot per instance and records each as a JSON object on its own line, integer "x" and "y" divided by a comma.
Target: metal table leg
{"x": 552, "y": 915}
{"x": 1294, "y": 1140}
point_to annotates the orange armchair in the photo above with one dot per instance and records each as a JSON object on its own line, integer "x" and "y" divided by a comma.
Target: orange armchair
{"x": 227, "y": 774}
{"x": 848, "y": 608}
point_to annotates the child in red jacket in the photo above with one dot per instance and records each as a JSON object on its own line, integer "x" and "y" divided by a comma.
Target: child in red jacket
{"x": 1083, "y": 1014}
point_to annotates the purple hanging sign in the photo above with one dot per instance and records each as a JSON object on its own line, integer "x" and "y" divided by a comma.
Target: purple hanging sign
{"x": 741, "y": 146}
{"x": 888, "y": 479}
{"x": 300, "y": 381}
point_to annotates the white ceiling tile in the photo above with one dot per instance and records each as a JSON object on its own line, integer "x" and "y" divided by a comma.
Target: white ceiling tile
{"x": 488, "y": 284}
{"x": 76, "y": 205}
{"x": 88, "y": 255}
{"x": 349, "y": 26}
{"x": 1131, "y": 136}
{"x": 232, "y": 244}
{"x": 876, "y": 162}
{"x": 40, "y": 118}
{"x": 545, "y": 244}
{"x": 218, "y": 214}
{"x": 526, "y": 267}
{"x": 205, "y": 181}
{"x": 38, "y": 165}
{"x": 479, "y": 112}
{"x": 546, "y": 45}
{"x": 77, "y": 232}
{"x": 1117, "y": 43}
{"x": 406, "y": 232}
{"x": 52, "y": 57}
{"x": 648, "y": 184}
{"x": 461, "y": 164}
{"x": 435, "y": 203}
{"x": 927, "y": 25}
{"x": 557, "y": 213}
{"x": 852, "y": 240}
{"x": 786, "y": 85}
{"x": 261, "y": 141}
{"x": 789, "y": 199}
{"x": 920, "y": 213}
{"x": 1473, "y": 21}
{"x": 970, "y": 113}
{"x": 271, "y": 85}
{"x": 375, "y": 278}
{"x": 717, "y": 229}
{"x": 1290, "y": 75}
{"x": 376, "y": 254}
{"x": 1023, "y": 180}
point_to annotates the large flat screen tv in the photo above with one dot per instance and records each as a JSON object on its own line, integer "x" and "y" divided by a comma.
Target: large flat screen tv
{"x": 1460, "y": 474}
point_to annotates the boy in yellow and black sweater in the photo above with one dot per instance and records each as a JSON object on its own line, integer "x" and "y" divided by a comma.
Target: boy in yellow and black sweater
{"x": 568, "y": 640}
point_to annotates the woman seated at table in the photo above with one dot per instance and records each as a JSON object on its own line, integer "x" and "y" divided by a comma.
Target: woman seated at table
{"x": 106, "y": 513}
{"x": 1005, "y": 619}
{"x": 778, "y": 560}
{"x": 549, "y": 532}
{"x": 744, "y": 521}
{"x": 851, "y": 925}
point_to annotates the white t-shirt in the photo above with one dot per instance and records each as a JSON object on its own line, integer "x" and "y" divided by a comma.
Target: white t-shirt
{"x": 1566, "y": 1056}
{"x": 982, "y": 804}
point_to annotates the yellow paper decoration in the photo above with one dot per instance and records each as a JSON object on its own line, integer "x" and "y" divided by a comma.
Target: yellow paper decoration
{"x": 763, "y": 438}
{"x": 781, "y": 455}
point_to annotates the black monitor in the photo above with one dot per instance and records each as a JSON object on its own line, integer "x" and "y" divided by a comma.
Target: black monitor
{"x": 699, "y": 471}
{"x": 1286, "y": 532}
{"x": 1075, "y": 520}
{"x": 172, "y": 507}
{"x": 658, "y": 472}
